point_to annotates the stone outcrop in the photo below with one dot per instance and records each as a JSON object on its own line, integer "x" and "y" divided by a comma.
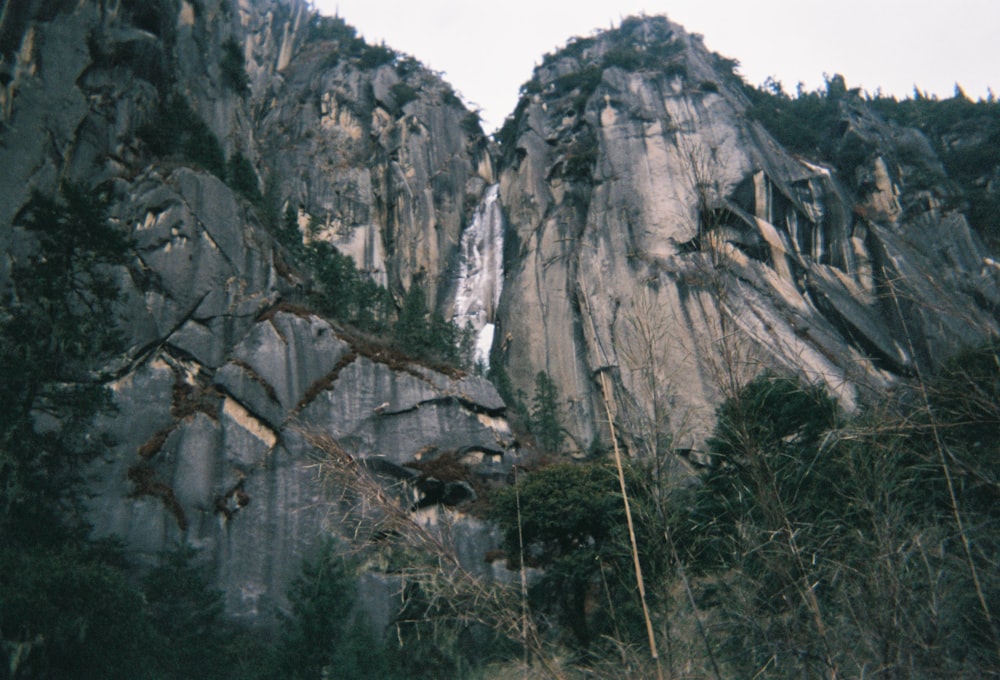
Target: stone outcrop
{"x": 384, "y": 162}
{"x": 666, "y": 239}
{"x": 219, "y": 459}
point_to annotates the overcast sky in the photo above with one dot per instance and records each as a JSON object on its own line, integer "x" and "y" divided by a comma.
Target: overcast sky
{"x": 488, "y": 49}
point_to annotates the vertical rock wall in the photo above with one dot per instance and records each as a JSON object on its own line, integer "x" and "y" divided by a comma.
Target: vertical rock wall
{"x": 663, "y": 237}
{"x": 220, "y": 380}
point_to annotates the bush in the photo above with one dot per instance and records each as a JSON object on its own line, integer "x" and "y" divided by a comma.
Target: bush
{"x": 471, "y": 124}
{"x": 373, "y": 56}
{"x": 449, "y": 98}
{"x": 767, "y": 468}
{"x": 67, "y": 613}
{"x": 403, "y": 94}
{"x": 571, "y": 522}
{"x": 178, "y": 131}
{"x": 585, "y": 80}
{"x": 322, "y": 28}
{"x": 241, "y": 176}
{"x": 580, "y": 163}
{"x": 234, "y": 73}
{"x": 801, "y": 516}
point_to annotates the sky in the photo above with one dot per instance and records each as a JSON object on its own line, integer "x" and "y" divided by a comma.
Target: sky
{"x": 486, "y": 50}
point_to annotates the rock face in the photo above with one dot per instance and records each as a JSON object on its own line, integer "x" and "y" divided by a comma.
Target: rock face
{"x": 665, "y": 239}
{"x": 384, "y": 162}
{"x": 217, "y": 458}
{"x": 639, "y": 229}
{"x": 221, "y": 381}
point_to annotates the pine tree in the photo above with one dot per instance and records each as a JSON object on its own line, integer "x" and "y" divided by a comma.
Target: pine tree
{"x": 545, "y": 419}
{"x": 57, "y": 324}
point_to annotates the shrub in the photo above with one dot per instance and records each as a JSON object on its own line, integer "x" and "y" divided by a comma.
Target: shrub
{"x": 471, "y": 124}
{"x": 571, "y": 522}
{"x": 322, "y": 28}
{"x": 766, "y": 465}
{"x": 67, "y": 613}
{"x": 241, "y": 176}
{"x": 178, "y": 130}
{"x": 403, "y": 94}
{"x": 580, "y": 162}
{"x": 373, "y": 56}
{"x": 585, "y": 80}
{"x": 202, "y": 147}
{"x": 234, "y": 73}
{"x": 449, "y": 98}
{"x": 801, "y": 516}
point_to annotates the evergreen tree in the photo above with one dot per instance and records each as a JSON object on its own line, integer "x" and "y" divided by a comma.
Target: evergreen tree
{"x": 58, "y": 323}
{"x": 325, "y": 636}
{"x": 545, "y": 418}
{"x": 411, "y": 328}
{"x": 67, "y": 609}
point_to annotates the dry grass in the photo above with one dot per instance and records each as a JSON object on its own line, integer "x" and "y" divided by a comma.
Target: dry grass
{"x": 437, "y": 589}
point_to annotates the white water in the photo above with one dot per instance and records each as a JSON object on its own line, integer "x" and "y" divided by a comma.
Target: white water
{"x": 480, "y": 272}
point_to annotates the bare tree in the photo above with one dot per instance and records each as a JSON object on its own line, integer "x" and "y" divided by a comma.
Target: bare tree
{"x": 447, "y": 592}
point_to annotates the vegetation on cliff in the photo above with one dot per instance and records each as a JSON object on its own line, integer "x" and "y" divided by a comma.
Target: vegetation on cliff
{"x": 812, "y": 544}
{"x": 963, "y": 133}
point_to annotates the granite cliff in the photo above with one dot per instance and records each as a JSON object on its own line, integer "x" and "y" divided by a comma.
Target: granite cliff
{"x": 634, "y": 232}
{"x": 222, "y": 374}
{"x": 658, "y": 231}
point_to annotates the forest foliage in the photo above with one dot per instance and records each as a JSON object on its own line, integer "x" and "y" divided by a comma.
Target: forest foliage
{"x": 964, "y": 134}
{"x": 341, "y": 291}
{"x": 808, "y": 543}
{"x": 72, "y": 607}
{"x": 814, "y": 543}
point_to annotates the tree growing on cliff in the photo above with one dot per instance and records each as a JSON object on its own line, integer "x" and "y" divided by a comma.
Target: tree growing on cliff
{"x": 56, "y": 325}
{"x": 426, "y": 334}
{"x": 546, "y": 423}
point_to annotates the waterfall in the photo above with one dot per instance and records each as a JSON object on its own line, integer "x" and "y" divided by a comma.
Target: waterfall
{"x": 480, "y": 272}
